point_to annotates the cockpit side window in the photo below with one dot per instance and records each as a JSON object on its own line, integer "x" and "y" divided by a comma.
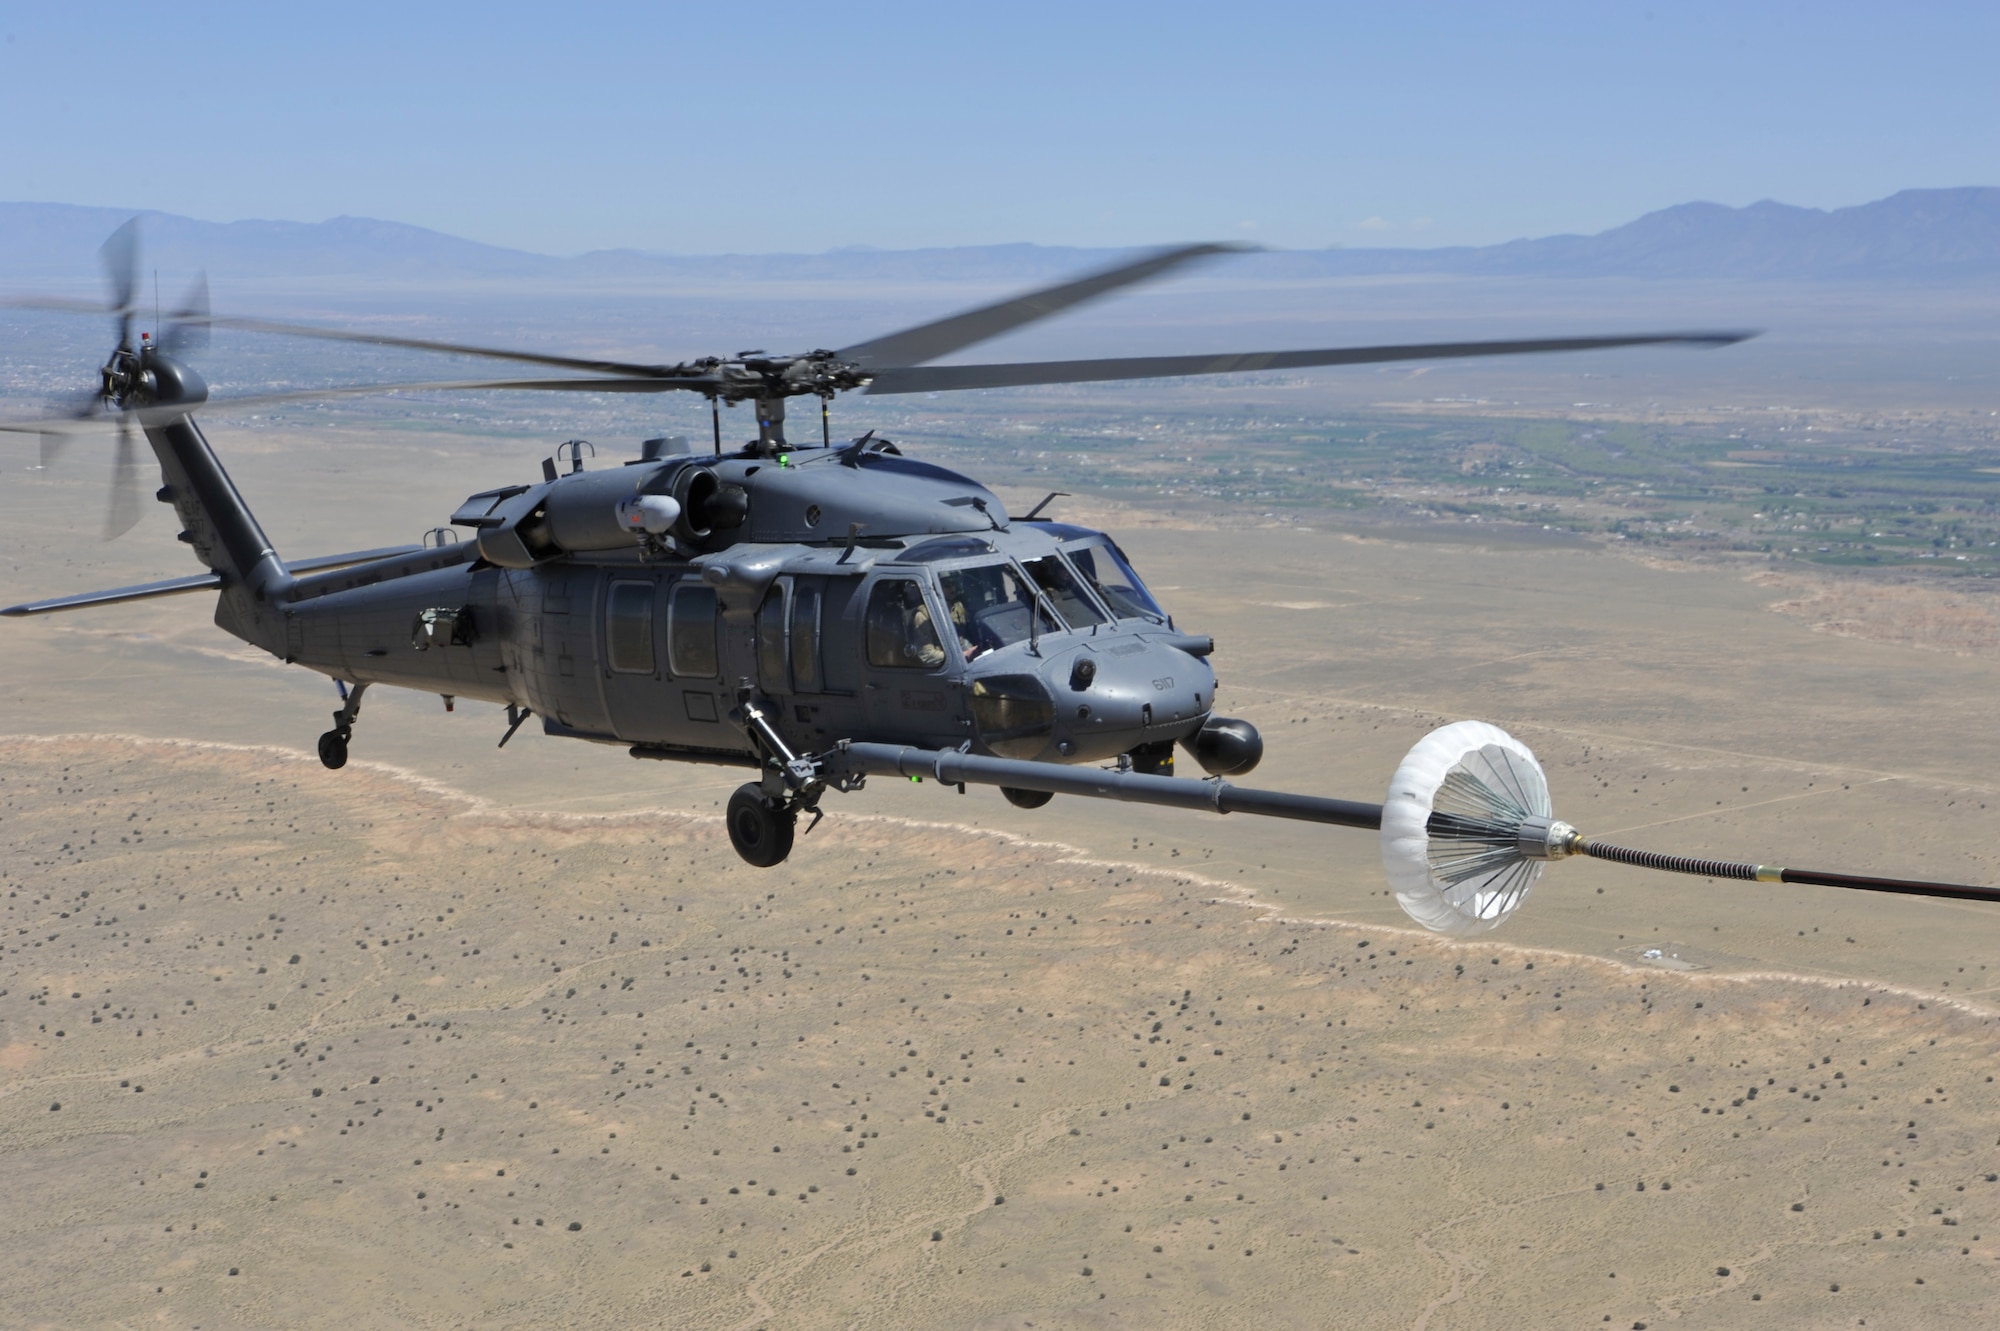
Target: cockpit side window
{"x": 1105, "y": 569}
{"x": 991, "y": 605}
{"x": 1059, "y": 585}
{"x": 900, "y": 634}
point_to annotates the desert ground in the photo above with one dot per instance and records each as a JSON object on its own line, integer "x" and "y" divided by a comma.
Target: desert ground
{"x": 549, "y": 1054}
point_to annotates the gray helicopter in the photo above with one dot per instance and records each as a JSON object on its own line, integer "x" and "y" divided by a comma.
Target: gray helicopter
{"x": 813, "y": 612}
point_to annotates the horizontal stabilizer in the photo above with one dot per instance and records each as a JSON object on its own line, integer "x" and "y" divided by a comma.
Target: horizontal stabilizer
{"x": 199, "y": 582}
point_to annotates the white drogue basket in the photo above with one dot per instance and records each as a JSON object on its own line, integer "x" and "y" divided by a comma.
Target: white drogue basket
{"x": 1452, "y": 828}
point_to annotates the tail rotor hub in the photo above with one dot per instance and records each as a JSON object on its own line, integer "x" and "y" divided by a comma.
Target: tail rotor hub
{"x": 126, "y": 380}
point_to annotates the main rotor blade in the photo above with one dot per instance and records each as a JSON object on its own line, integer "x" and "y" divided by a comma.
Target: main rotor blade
{"x": 195, "y": 314}
{"x": 426, "y": 344}
{"x": 945, "y": 378}
{"x": 61, "y": 303}
{"x": 120, "y": 256}
{"x": 126, "y": 483}
{"x": 927, "y": 342}
{"x": 691, "y": 384}
{"x": 61, "y": 428}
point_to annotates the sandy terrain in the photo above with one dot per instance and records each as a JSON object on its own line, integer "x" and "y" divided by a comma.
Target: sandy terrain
{"x": 1670, "y": 705}
{"x": 1961, "y": 620}
{"x": 351, "y": 1049}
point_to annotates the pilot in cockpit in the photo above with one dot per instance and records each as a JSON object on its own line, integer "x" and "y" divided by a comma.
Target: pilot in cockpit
{"x": 962, "y": 623}
{"x": 921, "y": 639}
{"x": 991, "y": 607}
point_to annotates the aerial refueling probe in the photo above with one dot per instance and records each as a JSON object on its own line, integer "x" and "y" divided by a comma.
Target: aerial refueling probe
{"x": 1466, "y": 829}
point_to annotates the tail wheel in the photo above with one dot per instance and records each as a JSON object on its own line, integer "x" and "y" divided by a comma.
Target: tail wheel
{"x": 1026, "y": 799}
{"x": 333, "y": 749}
{"x": 760, "y": 830}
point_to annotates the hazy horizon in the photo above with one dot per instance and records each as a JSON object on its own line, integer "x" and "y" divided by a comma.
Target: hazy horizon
{"x": 1409, "y": 245}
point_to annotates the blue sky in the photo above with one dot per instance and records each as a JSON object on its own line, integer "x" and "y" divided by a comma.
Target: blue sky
{"x": 781, "y": 126}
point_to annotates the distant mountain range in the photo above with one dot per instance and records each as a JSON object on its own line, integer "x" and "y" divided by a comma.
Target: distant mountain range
{"x": 1922, "y": 235}
{"x": 1918, "y": 233}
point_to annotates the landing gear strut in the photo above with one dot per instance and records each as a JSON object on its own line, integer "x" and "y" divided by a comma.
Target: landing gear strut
{"x": 763, "y": 817}
{"x": 333, "y": 744}
{"x": 760, "y": 828}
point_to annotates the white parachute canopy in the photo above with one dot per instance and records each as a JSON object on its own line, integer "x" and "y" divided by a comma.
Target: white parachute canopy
{"x": 1451, "y": 827}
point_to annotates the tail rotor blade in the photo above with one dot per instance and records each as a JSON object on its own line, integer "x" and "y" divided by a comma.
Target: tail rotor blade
{"x": 126, "y": 483}
{"x": 120, "y": 256}
{"x": 85, "y": 410}
{"x": 187, "y": 327}
{"x": 53, "y": 444}
{"x": 84, "y": 406}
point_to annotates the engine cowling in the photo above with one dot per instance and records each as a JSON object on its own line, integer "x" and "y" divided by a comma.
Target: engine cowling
{"x": 524, "y": 525}
{"x": 708, "y": 505}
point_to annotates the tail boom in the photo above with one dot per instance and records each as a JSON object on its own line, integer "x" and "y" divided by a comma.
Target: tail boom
{"x": 215, "y": 520}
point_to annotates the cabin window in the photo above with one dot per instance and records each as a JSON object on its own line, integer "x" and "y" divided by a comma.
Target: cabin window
{"x": 628, "y": 628}
{"x": 771, "y": 639}
{"x": 691, "y": 631}
{"x": 1104, "y": 567}
{"x": 805, "y": 637}
{"x": 901, "y": 635}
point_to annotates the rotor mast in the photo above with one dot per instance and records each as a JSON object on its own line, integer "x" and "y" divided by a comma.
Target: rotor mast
{"x": 771, "y": 425}
{"x": 768, "y": 380}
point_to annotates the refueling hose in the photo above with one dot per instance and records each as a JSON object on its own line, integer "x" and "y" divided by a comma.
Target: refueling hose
{"x": 1764, "y": 873}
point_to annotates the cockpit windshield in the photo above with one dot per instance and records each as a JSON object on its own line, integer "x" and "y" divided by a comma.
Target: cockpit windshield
{"x": 1060, "y": 587}
{"x": 990, "y": 607}
{"x": 1104, "y": 567}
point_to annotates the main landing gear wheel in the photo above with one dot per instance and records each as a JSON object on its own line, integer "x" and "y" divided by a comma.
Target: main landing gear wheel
{"x": 760, "y": 830}
{"x": 333, "y": 744}
{"x": 1026, "y": 799}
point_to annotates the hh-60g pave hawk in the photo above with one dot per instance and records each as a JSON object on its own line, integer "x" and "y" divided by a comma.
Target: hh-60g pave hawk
{"x": 818, "y": 613}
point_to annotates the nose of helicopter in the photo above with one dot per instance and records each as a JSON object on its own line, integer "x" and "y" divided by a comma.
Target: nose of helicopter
{"x": 1094, "y": 700}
